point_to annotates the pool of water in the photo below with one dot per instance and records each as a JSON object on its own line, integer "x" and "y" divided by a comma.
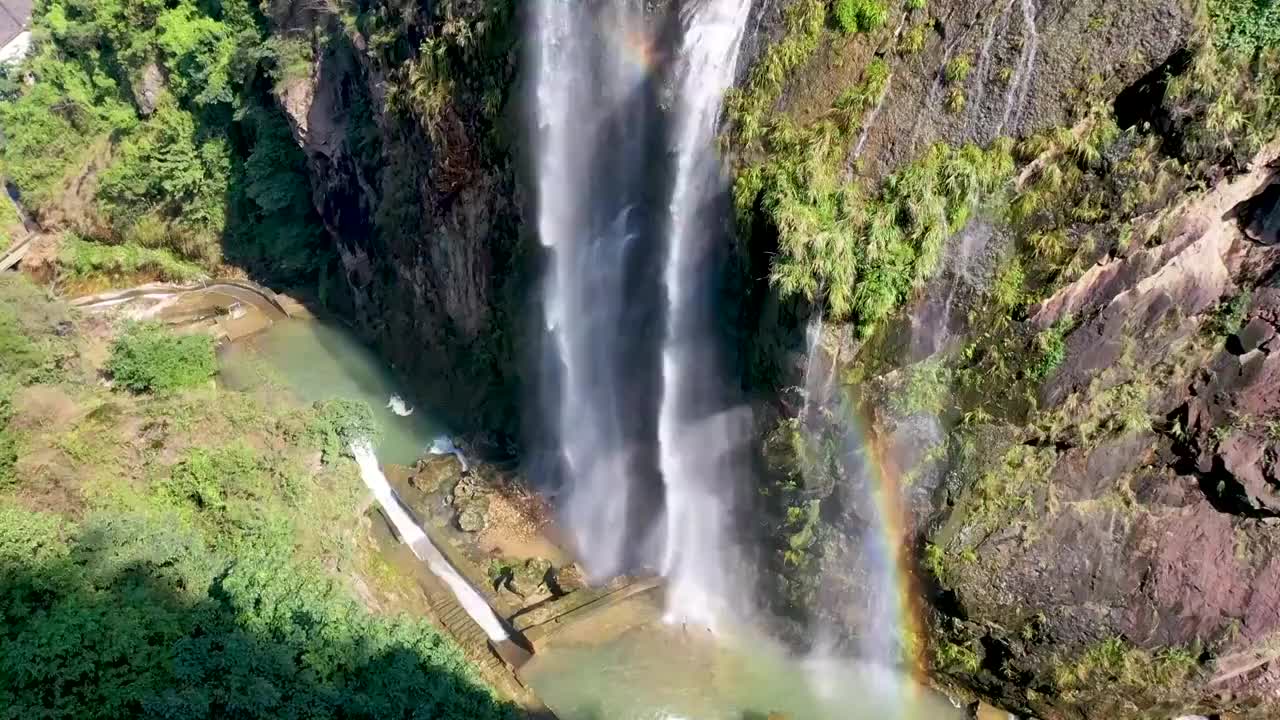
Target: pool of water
{"x": 319, "y": 361}
{"x": 664, "y": 673}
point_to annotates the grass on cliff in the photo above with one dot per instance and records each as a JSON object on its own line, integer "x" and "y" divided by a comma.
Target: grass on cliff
{"x": 1131, "y": 675}
{"x": 185, "y": 554}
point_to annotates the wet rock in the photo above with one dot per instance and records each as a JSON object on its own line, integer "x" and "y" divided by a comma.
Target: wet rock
{"x": 436, "y": 474}
{"x": 531, "y": 578}
{"x": 474, "y": 517}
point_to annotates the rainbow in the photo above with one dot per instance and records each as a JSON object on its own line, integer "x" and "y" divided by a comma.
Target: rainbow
{"x": 899, "y": 631}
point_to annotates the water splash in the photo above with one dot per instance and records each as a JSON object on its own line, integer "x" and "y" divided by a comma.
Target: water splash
{"x": 443, "y": 445}
{"x": 696, "y": 438}
{"x": 417, "y": 540}
{"x": 1020, "y": 85}
{"x": 398, "y": 406}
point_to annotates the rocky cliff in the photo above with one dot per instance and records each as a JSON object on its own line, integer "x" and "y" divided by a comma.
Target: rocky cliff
{"x": 1056, "y": 349}
{"x": 406, "y": 122}
{"x": 1038, "y": 236}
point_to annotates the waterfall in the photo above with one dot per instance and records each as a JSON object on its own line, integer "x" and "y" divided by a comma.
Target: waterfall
{"x": 697, "y": 438}
{"x": 417, "y": 540}
{"x": 999, "y": 24}
{"x": 1020, "y": 85}
{"x": 589, "y": 150}
{"x": 631, "y": 210}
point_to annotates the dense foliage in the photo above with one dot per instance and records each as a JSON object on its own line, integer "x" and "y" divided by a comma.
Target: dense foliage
{"x": 147, "y": 357}
{"x": 163, "y": 111}
{"x": 174, "y": 556}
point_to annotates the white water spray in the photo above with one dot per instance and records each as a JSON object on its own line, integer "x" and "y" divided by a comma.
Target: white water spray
{"x": 443, "y": 445}
{"x": 398, "y": 406}
{"x": 421, "y": 545}
{"x": 585, "y": 219}
{"x": 698, "y": 560}
{"x": 1020, "y": 86}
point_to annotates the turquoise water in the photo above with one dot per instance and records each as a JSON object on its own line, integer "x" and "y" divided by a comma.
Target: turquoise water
{"x": 319, "y": 361}
{"x": 664, "y": 673}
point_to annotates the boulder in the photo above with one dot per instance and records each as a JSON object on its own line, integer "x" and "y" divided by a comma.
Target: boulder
{"x": 530, "y": 578}
{"x": 147, "y": 90}
{"x": 436, "y": 474}
{"x": 473, "y": 517}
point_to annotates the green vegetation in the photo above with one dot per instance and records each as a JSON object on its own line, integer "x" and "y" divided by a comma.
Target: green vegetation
{"x": 1228, "y": 317}
{"x": 339, "y": 423}
{"x": 1052, "y": 347}
{"x": 1245, "y": 25}
{"x": 148, "y": 357}
{"x": 912, "y": 41}
{"x": 83, "y": 260}
{"x": 927, "y": 389}
{"x": 860, "y": 15}
{"x": 952, "y": 656}
{"x": 1118, "y": 666}
{"x": 957, "y": 70}
{"x": 864, "y": 254}
{"x": 748, "y": 108}
{"x": 154, "y": 125}
{"x": 180, "y": 555}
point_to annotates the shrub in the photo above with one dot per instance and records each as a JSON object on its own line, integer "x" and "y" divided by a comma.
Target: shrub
{"x": 957, "y": 71}
{"x": 860, "y": 15}
{"x": 338, "y": 423}
{"x": 8, "y": 458}
{"x": 1245, "y": 25}
{"x": 148, "y": 357}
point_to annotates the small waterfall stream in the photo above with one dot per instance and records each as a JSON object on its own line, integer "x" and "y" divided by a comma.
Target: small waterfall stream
{"x": 1020, "y": 84}
{"x": 417, "y": 540}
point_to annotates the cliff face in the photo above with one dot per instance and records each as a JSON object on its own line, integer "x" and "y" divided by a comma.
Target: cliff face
{"x": 1066, "y": 377}
{"x": 1061, "y": 347}
{"x": 406, "y": 123}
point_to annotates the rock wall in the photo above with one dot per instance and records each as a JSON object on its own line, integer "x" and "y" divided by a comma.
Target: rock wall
{"x": 406, "y": 119}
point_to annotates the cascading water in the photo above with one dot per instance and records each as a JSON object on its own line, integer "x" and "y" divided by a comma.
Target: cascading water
{"x": 697, "y": 437}
{"x": 590, "y": 146}
{"x": 644, "y": 434}
{"x": 1020, "y": 84}
{"x": 417, "y": 540}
